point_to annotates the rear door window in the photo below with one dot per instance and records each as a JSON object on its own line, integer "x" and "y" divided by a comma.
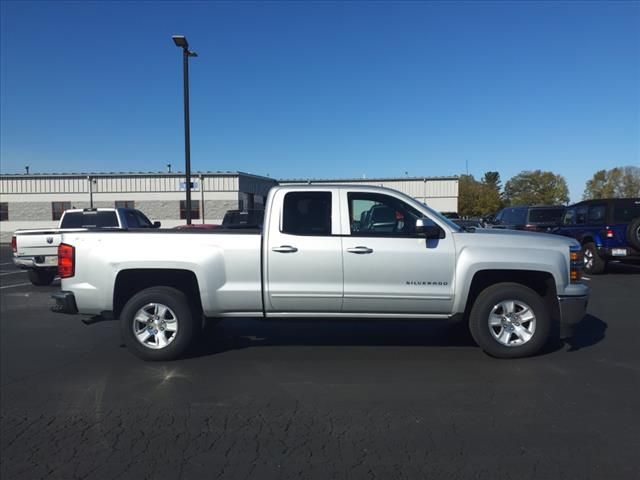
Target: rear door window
{"x": 307, "y": 213}
{"x": 596, "y": 214}
{"x": 581, "y": 215}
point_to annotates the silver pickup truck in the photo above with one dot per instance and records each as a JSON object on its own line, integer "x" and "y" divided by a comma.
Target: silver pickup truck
{"x": 37, "y": 250}
{"x": 327, "y": 251}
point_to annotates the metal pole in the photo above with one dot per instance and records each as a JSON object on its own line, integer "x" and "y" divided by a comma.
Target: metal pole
{"x": 202, "y": 196}
{"x": 90, "y": 191}
{"x": 187, "y": 140}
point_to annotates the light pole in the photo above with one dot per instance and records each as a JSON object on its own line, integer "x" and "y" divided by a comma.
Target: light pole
{"x": 181, "y": 41}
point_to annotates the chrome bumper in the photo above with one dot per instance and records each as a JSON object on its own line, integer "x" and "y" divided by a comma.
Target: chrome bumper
{"x": 38, "y": 261}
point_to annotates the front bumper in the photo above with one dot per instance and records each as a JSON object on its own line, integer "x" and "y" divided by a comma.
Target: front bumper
{"x": 65, "y": 302}
{"x": 572, "y": 311}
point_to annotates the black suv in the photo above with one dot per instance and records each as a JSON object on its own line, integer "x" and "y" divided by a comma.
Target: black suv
{"x": 536, "y": 219}
{"x": 608, "y": 229}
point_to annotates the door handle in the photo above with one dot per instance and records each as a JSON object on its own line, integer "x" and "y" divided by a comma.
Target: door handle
{"x": 285, "y": 249}
{"x": 360, "y": 250}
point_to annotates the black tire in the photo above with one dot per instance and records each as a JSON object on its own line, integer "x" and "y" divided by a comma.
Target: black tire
{"x": 485, "y": 335}
{"x": 179, "y": 307}
{"x": 633, "y": 233}
{"x": 593, "y": 263}
{"x": 41, "y": 277}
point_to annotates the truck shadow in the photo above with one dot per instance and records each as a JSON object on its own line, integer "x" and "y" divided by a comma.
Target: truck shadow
{"x": 235, "y": 334}
{"x": 590, "y": 331}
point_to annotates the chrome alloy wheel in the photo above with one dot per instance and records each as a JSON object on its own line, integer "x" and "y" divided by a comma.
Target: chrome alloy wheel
{"x": 155, "y": 326}
{"x": 588, "y": 259}
{"x": 512, "y": 323}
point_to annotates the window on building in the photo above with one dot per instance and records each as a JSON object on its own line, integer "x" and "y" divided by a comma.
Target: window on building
{"x": 4, "y": 211}
{"x": 307, "y": 213}
{"x": 58, "y": 208}
{"x": 195, "y": 209}
{"x": 125, "y": 204}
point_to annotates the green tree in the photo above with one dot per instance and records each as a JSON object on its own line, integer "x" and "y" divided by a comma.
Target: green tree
{"x": 536, "y": 188}
{"x": 491, "y": 197}
{"x": 468, "y": 194}
{"x": 618, "y": 182}
{"x": 476, "y": 198}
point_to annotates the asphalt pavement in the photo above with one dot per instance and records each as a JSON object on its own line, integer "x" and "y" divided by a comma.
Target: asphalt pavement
{"x": 323, "y": 399}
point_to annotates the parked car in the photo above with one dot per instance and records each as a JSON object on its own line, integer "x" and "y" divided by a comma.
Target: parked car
{"x": 37, "y": 250}
{"x": 607, "y": 229}
{"x": 467, "y": 223}
{"x": 534, "y": 219}
{"x": 315, "y": 257}
{"x": 253, "y": 218}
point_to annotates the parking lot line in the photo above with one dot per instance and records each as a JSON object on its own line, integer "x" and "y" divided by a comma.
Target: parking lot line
{"x": 8, "y": 263}
{"x": 12, "y": 273}
{"x": 15, "y": 285}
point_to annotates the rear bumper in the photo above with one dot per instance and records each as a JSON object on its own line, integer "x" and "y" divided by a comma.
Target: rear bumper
{"x": 614, "y": 253}
{"x": 65, "y": 302}
{"x": 38, "y": 261}
{"x": 572, "y": 311}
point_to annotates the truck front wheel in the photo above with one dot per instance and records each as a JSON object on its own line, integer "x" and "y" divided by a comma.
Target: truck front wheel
{"x": 41, "y": 277}
{"x": 509, "y": 320}
{"x": 157, "y": 324}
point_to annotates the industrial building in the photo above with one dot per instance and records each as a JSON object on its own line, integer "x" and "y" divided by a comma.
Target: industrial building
{"x": 38, "y": 200}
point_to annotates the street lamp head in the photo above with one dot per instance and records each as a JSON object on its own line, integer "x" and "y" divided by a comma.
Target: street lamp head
{"x": 180, "y": 41}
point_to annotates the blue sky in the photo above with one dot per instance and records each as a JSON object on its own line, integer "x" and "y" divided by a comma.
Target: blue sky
{"x": 324, "y": 89}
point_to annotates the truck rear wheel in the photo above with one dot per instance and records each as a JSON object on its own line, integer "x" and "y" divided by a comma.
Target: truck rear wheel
{"x": 41, "y": 277}
{"x": 509, "y": 320}
{"x": 157, "y": 324}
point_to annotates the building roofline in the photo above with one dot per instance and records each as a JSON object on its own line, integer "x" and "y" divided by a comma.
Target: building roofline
{"x": 360, "y": 180}
{"x": 129, "y": 174}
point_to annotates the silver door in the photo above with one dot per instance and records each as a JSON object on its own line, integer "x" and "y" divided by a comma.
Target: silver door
{"x": 387, "y": 267}
{"x": 304, "y": 258}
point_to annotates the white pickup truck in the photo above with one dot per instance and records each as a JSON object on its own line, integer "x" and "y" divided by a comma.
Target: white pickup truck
{"x": 37, "y": 250}
{"x": 327, "y": 251}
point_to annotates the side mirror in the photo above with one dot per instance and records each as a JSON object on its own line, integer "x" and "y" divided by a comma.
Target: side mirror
{"x": 157, "y": 224}
{"x": 429, "y": 230}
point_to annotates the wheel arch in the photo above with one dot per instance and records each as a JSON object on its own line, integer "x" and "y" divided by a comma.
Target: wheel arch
{"x": 131, "y": 281}
{"x": 540, "y": 282}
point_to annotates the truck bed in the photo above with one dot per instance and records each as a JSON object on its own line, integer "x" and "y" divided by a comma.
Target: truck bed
{"x": 225, "y": 262}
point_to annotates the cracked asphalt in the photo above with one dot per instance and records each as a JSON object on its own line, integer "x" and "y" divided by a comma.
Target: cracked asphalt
{"x": 325, "y": 400}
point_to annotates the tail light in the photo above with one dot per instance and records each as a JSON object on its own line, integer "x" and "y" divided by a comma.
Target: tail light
{"x": 66, "y": 260}
{"x": 610, "y": 233}
{"x": 14, "y": 244}
{"x": 576, "y": 264}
